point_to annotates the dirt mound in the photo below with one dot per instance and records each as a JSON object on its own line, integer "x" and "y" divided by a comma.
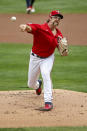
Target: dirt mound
{"x": 18, "y": 109}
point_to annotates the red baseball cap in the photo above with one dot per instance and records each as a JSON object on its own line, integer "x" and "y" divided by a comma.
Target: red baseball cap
{"x": 56, "y": 13}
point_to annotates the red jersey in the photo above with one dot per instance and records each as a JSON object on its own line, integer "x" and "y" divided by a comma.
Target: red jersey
{"x": 45, "y": 41}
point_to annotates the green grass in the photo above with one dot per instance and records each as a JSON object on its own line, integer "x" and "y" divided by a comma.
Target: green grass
{"x": 44, "y": 6}
{"x": 13, "y": 66}
{"x": 68, "y": 72}
{"x": 46, "y": 129}
{"x": 71, "y": 72}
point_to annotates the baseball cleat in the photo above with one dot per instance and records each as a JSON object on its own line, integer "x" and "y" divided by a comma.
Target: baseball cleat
{"x": 39, "y": 90}
{"x": 48, "y": 107}
{"x": 30, "y": 10}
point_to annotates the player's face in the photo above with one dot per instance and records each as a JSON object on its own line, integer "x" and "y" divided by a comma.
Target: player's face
{"x": 55, "y": 20}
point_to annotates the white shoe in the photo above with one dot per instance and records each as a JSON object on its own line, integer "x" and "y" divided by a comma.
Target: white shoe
{"x": 28, "y": 10}
{"x": 33, "y": 10}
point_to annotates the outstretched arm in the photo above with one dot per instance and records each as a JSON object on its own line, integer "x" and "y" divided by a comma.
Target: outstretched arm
{"x": 24, "y": 27}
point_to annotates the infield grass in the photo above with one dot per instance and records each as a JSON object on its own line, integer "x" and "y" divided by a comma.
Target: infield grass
{"x": 46, "y": 129}
{"x": 68, "y": 72}
{"x": 44, "y": 6}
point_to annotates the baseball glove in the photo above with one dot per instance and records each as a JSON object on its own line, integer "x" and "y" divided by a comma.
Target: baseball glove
{"x": 63, "y": 47}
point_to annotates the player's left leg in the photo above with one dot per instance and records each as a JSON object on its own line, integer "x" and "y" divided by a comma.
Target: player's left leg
{"x": 32, "y": 2}
{"x": 46, "y": 67}
{"x": 32, "y": 8}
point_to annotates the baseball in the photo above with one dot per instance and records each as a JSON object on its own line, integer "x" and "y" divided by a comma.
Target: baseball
{"x": 13, "y": 18}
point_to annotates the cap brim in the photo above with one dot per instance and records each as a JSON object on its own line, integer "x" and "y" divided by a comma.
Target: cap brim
{"x": 60, "y": 15}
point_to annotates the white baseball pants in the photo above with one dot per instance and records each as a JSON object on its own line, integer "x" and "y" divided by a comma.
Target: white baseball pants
{"x": 43, "y": 66}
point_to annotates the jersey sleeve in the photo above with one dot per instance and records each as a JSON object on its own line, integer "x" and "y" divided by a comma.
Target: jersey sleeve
{"x": 34, "y": 27}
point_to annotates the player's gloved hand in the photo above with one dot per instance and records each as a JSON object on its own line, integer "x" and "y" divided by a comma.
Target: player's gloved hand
{"x": 22, "y": 27}
{"x": 63, "y": 47}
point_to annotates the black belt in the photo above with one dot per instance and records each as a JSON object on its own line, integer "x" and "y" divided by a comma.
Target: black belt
{"x": 37, "y": 56}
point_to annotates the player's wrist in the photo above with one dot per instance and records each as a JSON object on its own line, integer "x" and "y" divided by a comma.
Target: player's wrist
{"x": 28, "y": 28}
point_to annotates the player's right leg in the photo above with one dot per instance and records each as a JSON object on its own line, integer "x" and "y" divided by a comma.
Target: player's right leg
{"x": 33, "y": 74}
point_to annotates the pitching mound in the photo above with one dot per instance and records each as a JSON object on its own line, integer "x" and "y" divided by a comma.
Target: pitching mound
{"x": 19, "y": 109}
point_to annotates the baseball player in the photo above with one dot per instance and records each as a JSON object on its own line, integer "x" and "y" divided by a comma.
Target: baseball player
{"x": 30, "y": 8}
{"x": 46, "y": 38}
